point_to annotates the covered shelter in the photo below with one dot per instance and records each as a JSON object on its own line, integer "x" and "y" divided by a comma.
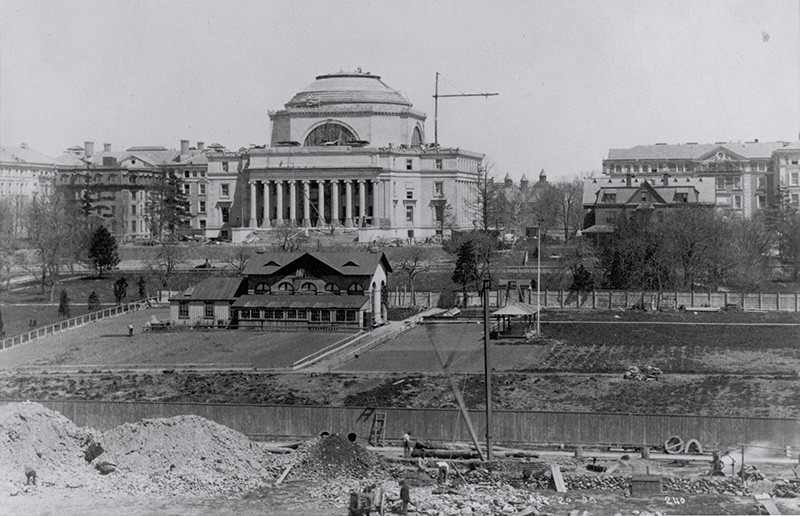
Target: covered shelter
{"x": 516, "y": 311}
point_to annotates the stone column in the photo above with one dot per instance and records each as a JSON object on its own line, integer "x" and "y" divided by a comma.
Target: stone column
{"x": 292, "y": 203}
{"x": 321, "y": 204}
{"x": 265, "y": 220}
{"x": 334, "y": 202}
{"x": 376, "y": 203}
{"x": 252, "y": 221}
{"x": 387, "y": 201}
{"x": 362, "y": 202}
{"x": 348, "y": 203}
{"x": 279, "y": 203}
{"x": 306, "y": 204}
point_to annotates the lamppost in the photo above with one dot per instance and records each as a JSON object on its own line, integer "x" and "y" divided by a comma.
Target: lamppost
{"x": 538, "y": 276}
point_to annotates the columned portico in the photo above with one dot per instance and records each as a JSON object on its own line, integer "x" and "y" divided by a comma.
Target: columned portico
{"x": 279, "y": 203}
{"x": 334, "y": 203}
{"x": 252, "y": 221}
{"x": 321, "y": 203}
{"x": 265, "y": 214}
{"x": 348, "y": 203}
{"x": 292, "y": 203}
{"x": 306, "y": 204}
{"x": 362, "y": 203}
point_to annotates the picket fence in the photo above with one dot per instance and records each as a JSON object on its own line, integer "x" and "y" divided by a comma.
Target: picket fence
{"x": 74, "y": 322}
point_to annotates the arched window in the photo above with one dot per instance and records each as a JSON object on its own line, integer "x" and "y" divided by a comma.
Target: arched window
{"x": 416, "y": 137}
{"x": 333, "y": 288}
{"x": 308, "y": 287}
{"x": 329, "y": 133}
{"x": 355, "y": 290}
{"x": 286, "y": 287}
{"x": 262, "y": 288}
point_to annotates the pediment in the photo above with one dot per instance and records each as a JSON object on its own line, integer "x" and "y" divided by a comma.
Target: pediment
{"x": 721, "y": 153}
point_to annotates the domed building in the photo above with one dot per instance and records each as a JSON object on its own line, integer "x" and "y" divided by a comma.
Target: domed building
{"x": 350, "y": 151}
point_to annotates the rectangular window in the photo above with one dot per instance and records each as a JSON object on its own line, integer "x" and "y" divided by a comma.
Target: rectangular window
{"x": 302, "y": 315}
{"x": 351, "y": 316}
{"x": 202, "y": 189}
{"x": 409, "y": 194}
{"x": 409, "y": 164}
{"x": 224, "y": 166}
{"x": 202, "y": 224}
{"x": 291, "y": 314}
{"x": 720, "y": 183}
{"x": 409, "y": 214}
{"x": 438, "y": 164}
{"x": 133, "y": 209}
{"x": 609, "y": 198}
{"x": 194, "y": 173}
{"x": 225, "y": 189}
{"x": 737, "y": 202}
{"x": 183, "y": 311}
{"x": 761, "y": 182}
{"x": 326, "y": 315}
{"x": 208, "y": 311}
{"x": 438, "y": 188}
{"x": 315, "y": 315}
{"x": 185, "y": 173}
{"x": 737, "y": 183}
{"x": 225, "y": 211}
{"x": 187, "y": 189}
{"x": 268, "y": 314}
{"x": 681, "y": 197}
{"x": 438, "y": 213}
{"x": 278, "y": 314}
{"x": 795, "y": 199}
{"x": 341, "y": 315}
{"x": 201, "y": 206}
{"x": 794, "y": 162}
{"x": 133, "y": 226}
{"x": 793, "y": 179}
{"x": 761, "y": 201}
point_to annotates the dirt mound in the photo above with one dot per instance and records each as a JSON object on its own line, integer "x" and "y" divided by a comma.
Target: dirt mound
{"x": 334, "y": 456}
{"x": 183, "y": 455}
{"x": 35, "y": 436}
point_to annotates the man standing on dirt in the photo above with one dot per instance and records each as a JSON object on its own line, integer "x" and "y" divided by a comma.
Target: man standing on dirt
{"x": 407, "y": 444}
{"x": 405, "y": 496}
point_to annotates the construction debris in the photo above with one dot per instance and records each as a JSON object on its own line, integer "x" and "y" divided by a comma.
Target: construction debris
{"x": 647, "y": 373}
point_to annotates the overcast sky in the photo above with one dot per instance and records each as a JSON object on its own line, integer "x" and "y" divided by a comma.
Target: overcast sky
{"x": 574, "y": 78}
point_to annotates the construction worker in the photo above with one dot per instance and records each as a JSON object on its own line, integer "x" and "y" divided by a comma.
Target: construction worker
{"x": 407, "y": 444}
{"x": 444, "y": 468}
{"x": 405, "y": 496}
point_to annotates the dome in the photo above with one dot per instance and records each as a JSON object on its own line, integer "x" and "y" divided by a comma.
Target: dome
{"x": 347, "y": 88}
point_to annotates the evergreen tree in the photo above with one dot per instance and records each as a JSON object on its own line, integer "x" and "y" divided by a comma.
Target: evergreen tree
{"x": 167, "y": 209}
{"x": 466, "y": 270}
{"x": 582, "y": 280}
{"x": 103, "y": 250}
{"x": 94, "y": 302}
{"x": 141, "y": 283}
{"x": 63, "y": 305}
{"x": 120, "y": 289}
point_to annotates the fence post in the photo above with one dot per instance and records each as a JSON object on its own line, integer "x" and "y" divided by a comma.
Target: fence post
{"x": 594, "y": 299}
{"x": 709, "y": 298}
{"x": 626, "y": 299}
{"x": 778, "y": 301}
{"x": 692, "y": 298}
{"x": 759, "y": 300}
{"x": 795, "y": 302}
{"x": 724, "y": 299}
{"x": 610, "y": 297}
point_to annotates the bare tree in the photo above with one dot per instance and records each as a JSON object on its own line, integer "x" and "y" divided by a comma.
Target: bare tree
{"x": 48, "y": 237}
{"x": 412, "y": 261}
{"x": 167, "y": 259}
{"x": 290, "y": 240}
{"x": 482, "y": 203}
{"x": 237, "y": 256}
{"x": 570, "y": 206}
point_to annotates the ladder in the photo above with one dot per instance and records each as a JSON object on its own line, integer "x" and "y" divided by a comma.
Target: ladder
{"x": 377, "y": 435}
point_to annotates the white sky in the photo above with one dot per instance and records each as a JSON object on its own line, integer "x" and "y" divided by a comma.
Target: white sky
{"x": 575, "y": 78}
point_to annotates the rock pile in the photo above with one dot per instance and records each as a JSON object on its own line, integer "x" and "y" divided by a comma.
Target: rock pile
{"x": 33, "y": 436}
{"x": 647, "y": 373}
{"x": 787, "y": 489}
{"x": 333, "y": 456}
{"x": 600, "y": 483}
{"x": 183, "y": 455}
{"x": 705, "y": 485}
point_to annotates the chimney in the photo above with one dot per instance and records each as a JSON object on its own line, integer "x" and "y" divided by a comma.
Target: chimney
{"x": 106, "y": 147}
{"x": 88, "y": 149}
{"x": 665, "y": 179}
{"x": 184, "y": 147}
{"x": 201, "y": 146}
{"x": 628, "y": 178}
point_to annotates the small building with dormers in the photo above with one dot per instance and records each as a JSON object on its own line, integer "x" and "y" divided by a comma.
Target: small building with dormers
{"x": 294, "y": 291}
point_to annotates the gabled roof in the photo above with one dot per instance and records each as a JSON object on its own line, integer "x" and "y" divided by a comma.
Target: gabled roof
{"x": 24, "y": 155}
{"x": 693, "y": 151}
{"x": 356, "y": 263}
{"x": 211, "y": 289}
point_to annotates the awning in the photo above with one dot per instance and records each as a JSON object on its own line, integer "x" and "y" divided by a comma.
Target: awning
{"x": 301, "y": 301}
{"x": 514, "y": 309}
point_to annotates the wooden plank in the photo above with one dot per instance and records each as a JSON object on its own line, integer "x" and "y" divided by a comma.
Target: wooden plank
{"x": 558, "y": 480}
{"x": 769, "y": 505}
{"x": 284, "y": 474}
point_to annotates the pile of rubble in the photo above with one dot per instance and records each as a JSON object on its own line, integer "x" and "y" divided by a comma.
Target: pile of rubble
{"x": 786, "y": 489}
{"x": 647, "y": 373}
{"x": 750, "y": 473}
{"x": 595, "y": 482}
{"x": 184, "y": 455}
{"x": 180, "y": 455}
{"x": 333, "y": 456}
{"x": 716, "y": 485}
{"x": 477, "y": 499}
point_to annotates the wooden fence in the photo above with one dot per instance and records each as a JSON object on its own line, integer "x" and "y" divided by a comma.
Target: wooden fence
{"x": 73, "y": 323}
{"x": 612, "y": 299}
{"x": 510, "y": 427}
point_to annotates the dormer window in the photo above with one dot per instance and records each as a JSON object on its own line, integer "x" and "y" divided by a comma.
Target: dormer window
{"x": 355, "y": 290}
{"x": 333, "y": 288}
{"x": 308, "y": 287}
{"x": 285, "y": 287}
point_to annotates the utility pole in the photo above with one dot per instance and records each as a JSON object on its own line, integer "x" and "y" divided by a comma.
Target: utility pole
{"x": 436, "y": 98}
{"x": 538, "y": 278}
{"x": 487, "y": 368}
